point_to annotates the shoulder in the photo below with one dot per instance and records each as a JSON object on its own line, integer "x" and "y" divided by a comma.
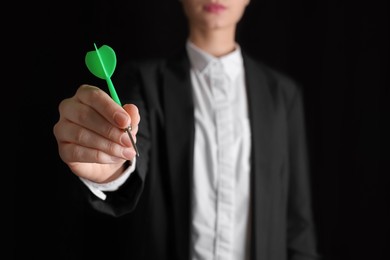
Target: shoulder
{"x": 277, "y": 82}
{"x": 270, "y": 74}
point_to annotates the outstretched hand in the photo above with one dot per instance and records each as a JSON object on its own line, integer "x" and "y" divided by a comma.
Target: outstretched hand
{"x": 90, "y": 134}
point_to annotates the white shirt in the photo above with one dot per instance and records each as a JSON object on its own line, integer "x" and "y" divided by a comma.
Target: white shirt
{"x": 221, "y": 190}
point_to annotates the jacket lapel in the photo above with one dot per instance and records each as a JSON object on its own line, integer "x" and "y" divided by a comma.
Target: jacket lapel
{"x": 179, "y": 118}
{"x": 260, "y": 104}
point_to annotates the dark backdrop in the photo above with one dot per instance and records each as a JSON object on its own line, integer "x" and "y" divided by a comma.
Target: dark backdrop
{"x": 337, "y": 50}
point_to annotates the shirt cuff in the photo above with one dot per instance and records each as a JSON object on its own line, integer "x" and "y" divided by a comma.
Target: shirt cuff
{"x": 99, "y": 188}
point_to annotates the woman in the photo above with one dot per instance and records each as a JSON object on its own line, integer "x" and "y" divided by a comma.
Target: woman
{"x": 222, "y": 171}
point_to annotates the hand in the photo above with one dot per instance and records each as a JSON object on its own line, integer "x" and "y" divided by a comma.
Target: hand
{"x": 90, "y": 134}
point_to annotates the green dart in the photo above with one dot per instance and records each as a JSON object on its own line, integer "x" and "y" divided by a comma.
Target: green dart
{"x": 102, "y": 62}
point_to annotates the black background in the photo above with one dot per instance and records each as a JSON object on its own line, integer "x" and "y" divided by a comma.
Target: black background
{"x": 337, "y": 50}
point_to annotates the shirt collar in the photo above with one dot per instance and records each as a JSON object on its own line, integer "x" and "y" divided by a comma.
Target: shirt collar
{"x": 231, "y": 62}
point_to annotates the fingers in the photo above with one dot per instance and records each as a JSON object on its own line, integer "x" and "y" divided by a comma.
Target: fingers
{"x": 70, "y": 152}
{"x": 95, "y": 110}
{"x": 80, "y": 144}
{"x": 135, "y": 118}
{"x": 86, "y": 117}
{"x": 103, "y": 104}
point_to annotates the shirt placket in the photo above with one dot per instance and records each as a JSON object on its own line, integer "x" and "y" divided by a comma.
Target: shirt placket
{"x": 225, "y": 175}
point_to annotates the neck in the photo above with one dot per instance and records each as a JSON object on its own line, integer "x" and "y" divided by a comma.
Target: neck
{"x": 216, "y": 42}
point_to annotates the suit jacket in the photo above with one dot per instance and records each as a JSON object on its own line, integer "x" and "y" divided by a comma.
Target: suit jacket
{"x": 154, "y": 204}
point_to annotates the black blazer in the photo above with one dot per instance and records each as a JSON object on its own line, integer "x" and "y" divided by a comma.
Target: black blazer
{"x": 154, "y": 204}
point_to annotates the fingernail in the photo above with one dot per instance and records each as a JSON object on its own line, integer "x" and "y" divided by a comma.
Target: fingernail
{"x": 120, "y": 118}
{"x": 125, "y": 140}
{"x": 128, "y": 154}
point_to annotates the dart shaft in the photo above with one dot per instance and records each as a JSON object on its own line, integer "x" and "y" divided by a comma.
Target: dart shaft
{"x": 113, "y": 93}
{"x": 132, "y": 140}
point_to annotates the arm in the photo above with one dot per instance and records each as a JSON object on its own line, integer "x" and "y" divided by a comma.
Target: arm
{"x": 125, "y": 198}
